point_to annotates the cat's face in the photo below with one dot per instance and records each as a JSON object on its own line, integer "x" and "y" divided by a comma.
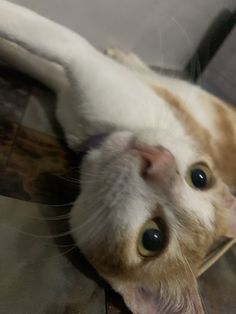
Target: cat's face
{"x": 150, "y": 207}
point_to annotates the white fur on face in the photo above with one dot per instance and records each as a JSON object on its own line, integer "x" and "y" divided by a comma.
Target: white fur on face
{"x": 116, "y": 200}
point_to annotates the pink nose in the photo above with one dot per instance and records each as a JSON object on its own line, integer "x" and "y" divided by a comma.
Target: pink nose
{"x": 158, "y": 164}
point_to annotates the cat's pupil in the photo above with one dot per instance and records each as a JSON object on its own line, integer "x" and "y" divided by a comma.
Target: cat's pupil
{"x": 199, "y": 178}
{"x": 152, "y": 240}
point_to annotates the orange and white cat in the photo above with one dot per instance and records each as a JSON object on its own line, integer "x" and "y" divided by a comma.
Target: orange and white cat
{"x": 157, "y": 188}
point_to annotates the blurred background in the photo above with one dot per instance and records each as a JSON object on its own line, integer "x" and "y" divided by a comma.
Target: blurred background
{"x": 164, "y": 33}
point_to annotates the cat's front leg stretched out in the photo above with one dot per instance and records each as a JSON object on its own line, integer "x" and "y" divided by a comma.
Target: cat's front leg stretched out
{"x": 95, "y": 94}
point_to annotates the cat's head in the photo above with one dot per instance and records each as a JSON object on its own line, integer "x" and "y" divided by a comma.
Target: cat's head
{"x": 151, "y": 205}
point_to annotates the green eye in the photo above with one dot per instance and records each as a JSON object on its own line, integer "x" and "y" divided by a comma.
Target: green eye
{"x": 199, "y": 176}
{"x": 151, "y": 239}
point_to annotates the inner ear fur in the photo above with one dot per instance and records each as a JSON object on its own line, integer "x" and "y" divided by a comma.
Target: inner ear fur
{"x": 165, "y": 299}
{"x": 229, "y": 207}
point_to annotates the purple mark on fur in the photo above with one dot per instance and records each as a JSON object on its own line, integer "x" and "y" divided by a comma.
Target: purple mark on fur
{"x": 93, "y": 142}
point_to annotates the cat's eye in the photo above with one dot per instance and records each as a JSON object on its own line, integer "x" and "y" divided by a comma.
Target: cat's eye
{"x": 199, "y": 176}
{"x": 151, "y": 238}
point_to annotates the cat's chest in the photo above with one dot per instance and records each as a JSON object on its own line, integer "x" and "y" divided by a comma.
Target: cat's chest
{"x": 209, "y": 122}
{"x": 132, "y": 105}
{"x": 191, "y": 106}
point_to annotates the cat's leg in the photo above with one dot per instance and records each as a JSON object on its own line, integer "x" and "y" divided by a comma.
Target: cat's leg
{"x": 95, "y": 94}
{"x": 36, "y": 45}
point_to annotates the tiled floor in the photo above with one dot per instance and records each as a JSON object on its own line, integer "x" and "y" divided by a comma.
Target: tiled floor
{"x": 39, "y": 266}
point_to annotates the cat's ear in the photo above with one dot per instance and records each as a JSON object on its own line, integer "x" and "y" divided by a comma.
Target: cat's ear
{"x": 230, "y": 206}
{"x": 164, "y": 300}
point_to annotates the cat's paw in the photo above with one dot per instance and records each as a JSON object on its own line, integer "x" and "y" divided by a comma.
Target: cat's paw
{"x": 117, "y": 54}
{"x": 129, "y": 59}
